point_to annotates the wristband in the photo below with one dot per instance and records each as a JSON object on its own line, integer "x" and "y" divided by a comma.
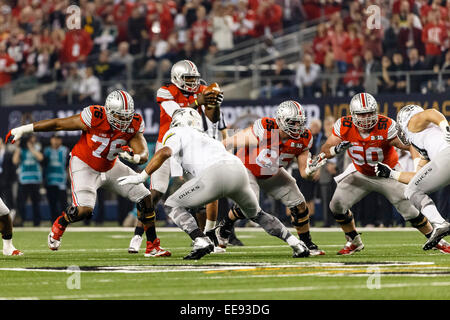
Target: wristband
{"x": 144, "y": 175}
{"x": 333, "y": 151}
{"x": 443, "y": 125}
{"x": 394, "y": 175}
{"x": 28, "y": 128}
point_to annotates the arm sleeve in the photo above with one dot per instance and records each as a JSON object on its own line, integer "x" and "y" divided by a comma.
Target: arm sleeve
{"x": 173, "y": 141}
{"x": 170, "y": 107}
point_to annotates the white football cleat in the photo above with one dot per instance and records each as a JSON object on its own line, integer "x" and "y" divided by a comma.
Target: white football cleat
{"x": 11, "y": 251}
{"x": 300, "y": 250}
{"x": 135, "y": 244}
{"x": 352, "y": 246}
{"x": 202, "y": 246}
{"x": 219, "y": 250}
{"x": 439, "y": 232}
{"x": 53, "y": 244}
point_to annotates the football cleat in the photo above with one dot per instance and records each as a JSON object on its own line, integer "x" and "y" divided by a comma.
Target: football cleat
{"x": 443, "y": 246}
{"x": 216, "y": 238}
{"x": 352, "y": 246}
{"x": 202, "y": 246}
{"x": 438, "y": 233}
{"x": 300, "y": 250}
{"x": 135, "y": 244}
{"x": 219, "y": 250}
{"x": 314, "y": 249}
{"x": 12, "y": 252}
{"x": 154, "y": 250}
{"x": 54, "y": 237}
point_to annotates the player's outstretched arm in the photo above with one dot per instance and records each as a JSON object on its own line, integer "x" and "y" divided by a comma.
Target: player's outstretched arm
{"x": 136, "y": 151}
{"x": 157, "y": 160}
{"x": 420, "y": 121}
{"x": 398, "y": 144}
{"x": 57, "y": 124}
{"x": 334, "y": 145}
{"x": 244, "y": 138}
{"x": 384, "y": 171}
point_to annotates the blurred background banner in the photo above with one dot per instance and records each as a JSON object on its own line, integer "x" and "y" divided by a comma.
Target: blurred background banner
{"x": 237, "y": 113}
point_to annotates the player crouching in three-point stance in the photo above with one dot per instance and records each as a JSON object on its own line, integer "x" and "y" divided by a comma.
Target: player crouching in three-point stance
{"x": 369, "y": 138}
{"x": 216, "y": 173}
{"x": 107, "y": 131}
{"x": 427, "y": 132}
{"x": 265, "y": 149}
{"x": 6, "y": 229}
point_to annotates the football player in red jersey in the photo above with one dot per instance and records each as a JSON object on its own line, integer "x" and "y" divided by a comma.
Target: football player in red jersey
{"x": 6, "y": 229}
{"x": 184, "y": 91}
{"x": 107, "y": 132}
{"x": 369, "y": 138}
{"x": 266, "y": 149}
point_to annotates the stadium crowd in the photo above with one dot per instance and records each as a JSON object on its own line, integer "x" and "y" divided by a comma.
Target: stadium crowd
{"x": 139, "y": 40}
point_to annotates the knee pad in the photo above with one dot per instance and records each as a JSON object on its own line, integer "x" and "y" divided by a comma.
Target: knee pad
{"x": 298, "y": 218}
{"x": 343, "y": 218}
{"x": 237, "y": 212}
{"x": 146, "y": 213}
{"x": 419, "y": 221}
{"x": 73, "y": 214}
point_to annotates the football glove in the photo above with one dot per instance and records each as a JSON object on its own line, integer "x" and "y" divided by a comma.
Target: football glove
{"x": 341, "y": 147}
{"x": 133, "y": 179}
{"x": 384, "y": 171}
{"x": 312, "y": 165}
{"x": 16, "y": 133}
{"x": 128, "y": 155}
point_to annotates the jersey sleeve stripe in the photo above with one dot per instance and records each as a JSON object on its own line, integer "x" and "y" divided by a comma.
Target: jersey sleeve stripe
{"x": 258, "y": 129}
{"x": 164, "y": 142}
{"x": 86, "y": 116}
{"x": 392, "y": 131}
{"x": 164, "y": 94}
{"x": 337, "y": 128}
{"x": 142, "y": 126}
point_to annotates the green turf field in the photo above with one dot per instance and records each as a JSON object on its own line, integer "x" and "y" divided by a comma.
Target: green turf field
{"x": 392, "y": 266}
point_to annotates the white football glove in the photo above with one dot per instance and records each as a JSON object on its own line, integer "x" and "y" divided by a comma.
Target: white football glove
{"x": 312, "y": 165}
{"x": 16, "y": 133}
{"x": 133, "y": 179}
{"x": 129, "y": 155}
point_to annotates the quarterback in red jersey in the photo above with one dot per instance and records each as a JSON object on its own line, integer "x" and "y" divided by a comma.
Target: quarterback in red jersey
{"x": 184, "y": 91}
{"x": 369, "y": 138}
{"x": 266, "y": 149}
{"x": 107, "y": 132}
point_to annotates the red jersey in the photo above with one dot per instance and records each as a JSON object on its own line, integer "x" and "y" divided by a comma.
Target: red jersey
{"x": 100, "y": 144}
{"x": 76, "y": 44}
{"x": 272, "y": 153}
{"x": 171, "y": 93}
{"x": 366, "y": 152}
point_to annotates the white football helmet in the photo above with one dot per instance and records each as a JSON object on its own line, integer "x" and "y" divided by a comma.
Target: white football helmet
{"x": 291, "y": 118}
{"x": 364, "y": 104}
{"x": 185, "y": 76}
{"x": 187, "y": 117}
{"x": 119, "y": 108}
{"x": 403, "y": 117}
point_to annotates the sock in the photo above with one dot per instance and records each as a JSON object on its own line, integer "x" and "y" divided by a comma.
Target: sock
{"x": 428, "y": 235}
{"x": 305, "y": 237}
{"x": 150, "y": 232}
{"x": 352, "y": 234}
{"x": 209, "y": 225}
{"x": 62, "y": 221}
{"x": 292, "y": 241}
{"x": 196, "y": 234}
{"x": 7, "y": 244}
{"x": 138, "y": 231}
{"x": 432, "y": 214}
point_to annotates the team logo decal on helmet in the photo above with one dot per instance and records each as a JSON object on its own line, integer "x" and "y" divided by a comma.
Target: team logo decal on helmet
{"x": 290, "y": 117}
{"x": 364, "y": 111}
{"x": 187, "y": 117}
{"x": 119, "y": 108}
{"x": 185, "y": 76}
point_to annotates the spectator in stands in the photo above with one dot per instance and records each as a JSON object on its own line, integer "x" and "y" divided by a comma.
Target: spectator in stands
{"x": 91, "y": 23}
{"x": 55, "y": 175}
{"x": 44, "y": 65}
{"x": 339, "y": 45}
{"x": 446, "y": 68}
{"x": 371, "y": 67}
{"x": 355, "y": 43}
{"x": 70, "y": 88}
{"x": 354, "y": 14}
{"x": 103, "y": 69}
{"x": 353, "y": 78}
{"x": 159, "y": 19}
{"x": 28, "y": 158}
{"x": 321, "y": 44}
{"x": 306, "y": 76}
{"x": 433, "y": 35}
{"x": 199, "y": 33}
{"x": 90, "y": 90}
{"x": 76, "y": 46}
{"x": 414, "y": 64}
{"x": 222, "y": 27}
{"x": 137, "y": 31}
{"x": 281, "y": 87}
{"x": 122, "y": 12}
{"x": 108, "y": 35}
{"x": 396, "y": 72}
{"x": 391, "y": 37}
{"x": 246, "y": 21}
{"x": 329, "y": 78}
{"x": 410, "y": 37}
{"x": 293, "y": 12}
{"x": 7, "y": 65}
{"x": 407, "y": 17}
{"x": 269, "y": 15}
{"x": 124, "y": 59}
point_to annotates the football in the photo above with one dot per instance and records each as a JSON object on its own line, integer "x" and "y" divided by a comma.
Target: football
{"x": 213, "y": 87}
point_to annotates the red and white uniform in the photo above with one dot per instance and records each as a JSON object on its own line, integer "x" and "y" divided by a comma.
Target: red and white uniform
{"x": 366, "y": 151}
{"x": 93, "y": 159}
{"x": 266, "y": 163}
{"x": 359, "y": 179}
{"x": 169, "y": 97}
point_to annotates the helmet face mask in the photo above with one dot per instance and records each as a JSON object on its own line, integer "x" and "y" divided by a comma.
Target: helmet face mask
{"x": 291, "y": 118}
{"x": 186, "y": 117}
{"x": 119, "y": 108}
{"x": 364, "y": 111}
{"x": 185, "y": 76}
